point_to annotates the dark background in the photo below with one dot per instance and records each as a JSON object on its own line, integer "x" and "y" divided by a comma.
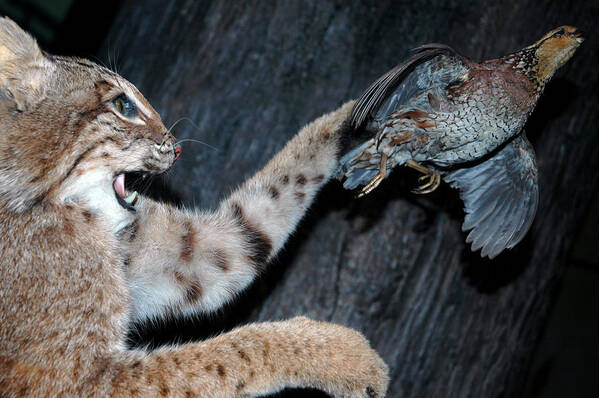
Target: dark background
{"x": 248, "y": 75}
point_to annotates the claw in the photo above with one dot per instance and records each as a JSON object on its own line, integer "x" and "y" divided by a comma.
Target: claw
{"x": 429, "y": 181}
{"x": 382, "y": 174}
{"x": 372, "y": 184}
{"x": 433, "y": 181}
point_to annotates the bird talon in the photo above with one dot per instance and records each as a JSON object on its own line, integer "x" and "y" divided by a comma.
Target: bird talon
{"x": 371, "y": 185}
{"x": 382, "y": 174}
{"x": 429, "y": 181}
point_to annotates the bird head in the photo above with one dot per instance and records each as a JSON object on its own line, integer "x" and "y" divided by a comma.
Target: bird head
{"x": 555, "y": 49}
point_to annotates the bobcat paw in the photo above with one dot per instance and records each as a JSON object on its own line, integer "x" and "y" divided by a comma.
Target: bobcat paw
{"x": 364, "y": 374}
{"x": 348, "y": 366}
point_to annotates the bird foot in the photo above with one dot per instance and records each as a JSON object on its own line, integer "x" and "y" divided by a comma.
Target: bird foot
{"x": 429, "y": 181}
{"x": 371, "y": 185}
{"x": 382, "y": 174}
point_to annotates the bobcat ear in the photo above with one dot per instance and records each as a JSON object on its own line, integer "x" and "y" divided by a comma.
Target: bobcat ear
{"x": 23, "y": 66}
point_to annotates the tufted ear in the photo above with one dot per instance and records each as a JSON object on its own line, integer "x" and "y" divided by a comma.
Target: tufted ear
{"x": 23, "y": 67}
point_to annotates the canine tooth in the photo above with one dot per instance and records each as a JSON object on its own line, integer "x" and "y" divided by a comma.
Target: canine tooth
{"x": 132, "y": 198}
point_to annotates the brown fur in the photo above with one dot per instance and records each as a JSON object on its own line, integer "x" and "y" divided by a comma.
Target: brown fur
{"x": 65, "y": 296}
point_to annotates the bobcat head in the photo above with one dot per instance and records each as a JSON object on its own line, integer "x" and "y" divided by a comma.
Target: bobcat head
{"x": 71, "y": 129}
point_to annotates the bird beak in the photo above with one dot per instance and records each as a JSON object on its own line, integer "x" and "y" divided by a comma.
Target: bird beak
{"x": 579, "y": 37}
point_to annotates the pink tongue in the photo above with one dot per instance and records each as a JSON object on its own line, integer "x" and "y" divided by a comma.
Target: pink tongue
{"x": 119, "y": 185}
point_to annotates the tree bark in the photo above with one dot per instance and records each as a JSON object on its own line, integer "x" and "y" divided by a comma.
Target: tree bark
{"x": 393, "y": 265}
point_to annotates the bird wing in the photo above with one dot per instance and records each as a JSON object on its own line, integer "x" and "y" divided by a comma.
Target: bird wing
{"x": 429, "y": 65}
{"x": 500, "y": 197}
{"x": 431, "y": 68}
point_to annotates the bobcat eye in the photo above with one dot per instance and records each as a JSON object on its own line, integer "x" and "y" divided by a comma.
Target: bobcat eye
{"x": 124, "y": 106}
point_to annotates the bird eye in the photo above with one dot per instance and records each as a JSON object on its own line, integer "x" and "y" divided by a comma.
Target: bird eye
{"x": 560, "y": 32}
{"x": 124, "y": 106}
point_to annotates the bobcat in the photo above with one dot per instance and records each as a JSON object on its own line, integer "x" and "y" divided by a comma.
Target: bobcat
{"x": 81, "y": 256}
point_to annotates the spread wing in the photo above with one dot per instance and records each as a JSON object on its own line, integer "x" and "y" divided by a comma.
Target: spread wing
{"x": 500, "y": 197}
{"x": 430, "y": 65}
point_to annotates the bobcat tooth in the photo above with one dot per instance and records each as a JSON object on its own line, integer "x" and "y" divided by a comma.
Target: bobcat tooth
{"x": 132, "y": 198}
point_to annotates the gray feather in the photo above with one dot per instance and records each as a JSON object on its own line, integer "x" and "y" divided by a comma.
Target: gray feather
{"x": 356, "y": 168}
{"x": 500, "y": 197}
{"x": 370, "y": 101}
{"x": 359, "y": 177}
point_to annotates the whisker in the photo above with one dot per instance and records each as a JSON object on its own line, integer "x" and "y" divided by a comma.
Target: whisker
{"x": 174, "y": 124}
{"x": 181, "y": 119}
{"x": 189, "y": 139}
{"x": 99, "y": 61}
{"x": 146, "y": 185}
{"x": 116, "y": 59}
{"x": 109, "y": 59}
{"x": 198, "y": 141}
{"x": 142, "y": 185}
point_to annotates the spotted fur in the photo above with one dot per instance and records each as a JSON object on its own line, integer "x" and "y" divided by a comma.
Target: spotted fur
{"x": 77, "y": 266}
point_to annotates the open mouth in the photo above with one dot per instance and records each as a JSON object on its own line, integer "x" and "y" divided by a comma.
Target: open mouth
{"x": 127, "y": 201}
{"x": 128, "y": 198}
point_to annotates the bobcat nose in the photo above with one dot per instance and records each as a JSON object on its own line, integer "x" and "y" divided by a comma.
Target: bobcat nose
{"x": 168, "y": 138}
{"x": 168, "y": 144}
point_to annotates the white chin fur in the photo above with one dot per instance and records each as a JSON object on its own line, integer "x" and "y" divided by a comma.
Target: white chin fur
{"x": 96, "y": 191}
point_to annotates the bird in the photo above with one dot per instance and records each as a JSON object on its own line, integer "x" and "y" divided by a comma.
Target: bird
{"x": 460, "y": 121}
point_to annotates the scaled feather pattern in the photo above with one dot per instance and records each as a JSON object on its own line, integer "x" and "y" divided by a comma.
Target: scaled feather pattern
{"x": 461, "y": 121}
